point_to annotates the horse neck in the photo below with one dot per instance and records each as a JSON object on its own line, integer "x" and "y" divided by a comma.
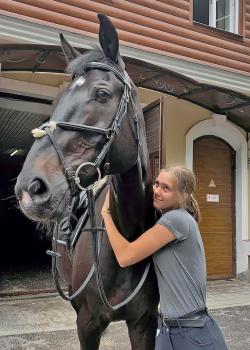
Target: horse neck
{"x": 131, "y": 198}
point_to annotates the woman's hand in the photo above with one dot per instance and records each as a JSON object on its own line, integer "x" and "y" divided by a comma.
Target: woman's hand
{"x": 105, "y": 207}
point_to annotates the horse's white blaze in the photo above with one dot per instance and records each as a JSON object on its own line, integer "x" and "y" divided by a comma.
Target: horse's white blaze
{"x": 79, "y": 82}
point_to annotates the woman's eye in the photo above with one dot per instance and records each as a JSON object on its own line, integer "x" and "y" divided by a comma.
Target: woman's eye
{"x": 102, "y": 95}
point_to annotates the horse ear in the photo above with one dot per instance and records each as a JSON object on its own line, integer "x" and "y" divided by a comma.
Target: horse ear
{"x": 69, "y": 52}
{"x": 121, "y": 62}
{"x": 108, "y": 38}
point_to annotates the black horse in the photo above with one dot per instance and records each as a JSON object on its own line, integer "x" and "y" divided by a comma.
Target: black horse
{"x": 102, "y": 99}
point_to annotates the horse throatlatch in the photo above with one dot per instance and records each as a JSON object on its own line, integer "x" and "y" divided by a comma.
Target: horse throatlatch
{"x": 74, "y": 183}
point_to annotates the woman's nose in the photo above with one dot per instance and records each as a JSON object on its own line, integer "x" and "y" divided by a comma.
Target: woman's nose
{"x": 156, "y": 190}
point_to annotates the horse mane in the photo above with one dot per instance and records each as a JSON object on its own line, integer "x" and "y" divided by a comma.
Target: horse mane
{"x": 76, "y": 67}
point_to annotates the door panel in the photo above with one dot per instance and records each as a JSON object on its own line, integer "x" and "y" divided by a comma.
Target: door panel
{"x": 214, "y": 166}
{"x": 156, "y": 133}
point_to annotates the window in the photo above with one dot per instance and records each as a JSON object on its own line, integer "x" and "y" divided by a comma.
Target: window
{"x": 221, "y": 14}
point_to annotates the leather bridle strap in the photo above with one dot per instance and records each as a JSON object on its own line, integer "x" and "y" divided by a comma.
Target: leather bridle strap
{"x": 67, "y": 171}
{"x": 123, "y": 77}
{"x": 80, "y": 127}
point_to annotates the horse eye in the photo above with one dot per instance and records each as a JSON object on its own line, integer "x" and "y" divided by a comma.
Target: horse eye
{"x": 102, "y": 94}
{"x": 73, "y": 76}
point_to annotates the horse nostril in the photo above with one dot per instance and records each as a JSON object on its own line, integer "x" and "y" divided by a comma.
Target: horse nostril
{"x": 38, "y": 190}
{"x": 36, "y": 187}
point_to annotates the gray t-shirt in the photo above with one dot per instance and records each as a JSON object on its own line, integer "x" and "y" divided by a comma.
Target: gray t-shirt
{"x": 180, "y": 266}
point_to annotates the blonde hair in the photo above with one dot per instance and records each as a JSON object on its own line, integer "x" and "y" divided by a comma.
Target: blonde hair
{"x": 186, "y": 184}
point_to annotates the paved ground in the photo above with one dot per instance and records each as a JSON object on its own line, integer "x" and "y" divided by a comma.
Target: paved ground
{"x": 222, "y": 294}
{"x": 46, "y": 322}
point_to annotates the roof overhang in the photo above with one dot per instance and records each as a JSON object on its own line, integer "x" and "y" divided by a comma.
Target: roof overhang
{"x": 219, "y": 100}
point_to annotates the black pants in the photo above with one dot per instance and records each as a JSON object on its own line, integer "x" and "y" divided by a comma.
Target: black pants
{"x": 207, "y": 337}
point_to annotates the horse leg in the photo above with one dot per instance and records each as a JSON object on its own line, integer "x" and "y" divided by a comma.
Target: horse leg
{"x": 89, "y": 329}
{"x": 142, "y": 333}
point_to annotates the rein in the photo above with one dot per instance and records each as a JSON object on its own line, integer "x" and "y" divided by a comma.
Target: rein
{"x": 74, "y": 183}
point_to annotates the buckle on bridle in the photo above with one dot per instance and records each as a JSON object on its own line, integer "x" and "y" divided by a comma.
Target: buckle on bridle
{"x": 54, "y": 254}
{"x": 109, "y": 134}
{"x": 106, "y": 168}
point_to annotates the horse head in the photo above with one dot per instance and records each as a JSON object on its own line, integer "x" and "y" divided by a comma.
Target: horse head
{"x": 73, "y": 148}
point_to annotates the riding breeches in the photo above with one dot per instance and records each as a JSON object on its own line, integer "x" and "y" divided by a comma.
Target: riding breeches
{"x": 207, "y": 337}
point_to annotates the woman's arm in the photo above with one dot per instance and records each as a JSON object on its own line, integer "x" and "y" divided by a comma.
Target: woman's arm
{"x": 130, "y": 253}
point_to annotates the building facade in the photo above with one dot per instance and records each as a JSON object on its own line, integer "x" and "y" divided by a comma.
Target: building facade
{"x": 208, "y": 43}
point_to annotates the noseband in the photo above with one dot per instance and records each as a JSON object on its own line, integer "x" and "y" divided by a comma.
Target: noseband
{"x": 73, "y": 177}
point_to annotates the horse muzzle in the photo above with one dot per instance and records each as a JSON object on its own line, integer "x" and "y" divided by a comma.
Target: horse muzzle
{"x": 34, "y": 198}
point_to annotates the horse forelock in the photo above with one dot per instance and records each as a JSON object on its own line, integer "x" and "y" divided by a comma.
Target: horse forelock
{"x": 76, "y": 67}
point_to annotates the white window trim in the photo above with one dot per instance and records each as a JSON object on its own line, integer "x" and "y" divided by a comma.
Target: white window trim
{"x": 212, "y": 13}
{"x": 236, "y": 19}
{"x": 233, "y": 13}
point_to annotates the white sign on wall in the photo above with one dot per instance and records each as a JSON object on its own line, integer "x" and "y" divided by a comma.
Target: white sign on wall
{"x": 213, "y": 198}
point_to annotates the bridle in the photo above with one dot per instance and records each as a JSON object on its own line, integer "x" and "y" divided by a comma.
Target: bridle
{"x": 72, "y": 177}
{"x": 74, "y": 182}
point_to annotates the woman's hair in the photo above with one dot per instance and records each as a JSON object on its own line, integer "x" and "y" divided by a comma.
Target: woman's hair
{"x": 186, "y": 183}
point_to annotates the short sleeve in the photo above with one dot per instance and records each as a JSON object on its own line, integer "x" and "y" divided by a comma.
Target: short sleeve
{"x": 177, "y": 222}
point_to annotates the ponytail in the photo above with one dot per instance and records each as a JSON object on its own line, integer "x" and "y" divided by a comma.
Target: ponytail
{"x": 192, "y": 208}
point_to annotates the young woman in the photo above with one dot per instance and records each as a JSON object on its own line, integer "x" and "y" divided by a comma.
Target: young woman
{"x": 178, "y": 255}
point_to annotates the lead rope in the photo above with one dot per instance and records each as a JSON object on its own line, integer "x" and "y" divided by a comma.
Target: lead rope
{"x": 95, "y": 269}
{"x": 96, "y": 260}
{"x": 55, "y": 256}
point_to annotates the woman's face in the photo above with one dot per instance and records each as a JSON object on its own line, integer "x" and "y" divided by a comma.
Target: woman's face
{"x": 165, "y": 194}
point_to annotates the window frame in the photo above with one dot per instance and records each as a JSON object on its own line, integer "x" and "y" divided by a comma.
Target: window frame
{"x": 233, "y": 16}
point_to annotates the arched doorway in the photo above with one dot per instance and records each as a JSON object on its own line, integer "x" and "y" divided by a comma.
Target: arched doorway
{"x": 214, "y": 167}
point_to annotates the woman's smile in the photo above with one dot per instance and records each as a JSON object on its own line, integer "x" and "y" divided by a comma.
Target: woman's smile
{"x": 155, "y": 198}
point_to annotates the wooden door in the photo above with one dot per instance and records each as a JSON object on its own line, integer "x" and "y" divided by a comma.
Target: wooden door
{"x": 156, "y": 133}
{"x": 214, "y": 167}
